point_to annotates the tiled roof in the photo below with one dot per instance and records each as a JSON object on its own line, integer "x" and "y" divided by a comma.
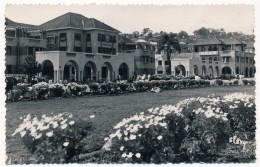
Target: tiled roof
{"x": 74, "y": 20}
{"x": 228, "y": 41}
{"x": 206, "y": 41}
{"x": 249, "y": 45}
{"x": 11, "y": 24}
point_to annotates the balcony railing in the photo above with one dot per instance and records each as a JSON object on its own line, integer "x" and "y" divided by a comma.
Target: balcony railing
{"x": 208, "y": 53}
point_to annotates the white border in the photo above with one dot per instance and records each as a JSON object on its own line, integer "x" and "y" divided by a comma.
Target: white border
{"x": 256, "y": 3}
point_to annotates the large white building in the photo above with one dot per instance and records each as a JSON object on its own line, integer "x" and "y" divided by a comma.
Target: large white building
{"x": 74, "y": 46}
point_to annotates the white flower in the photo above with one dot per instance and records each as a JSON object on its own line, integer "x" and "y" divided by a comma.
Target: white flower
{"x": 92, "y": 116}
{"x": 137, "y": 155}
{"x": 130, "y": 155}
{"x": 64, "y": 121}
{"x": 38, "y": 136}
{"x": 65, "y": 144}
{"x": 124, "y": 155}
{"x": 71, "y": 122}
{"x": 122, "y": 148}
{"x": 55, "y": 125}
{"x": 159, "y": 137}
{"x": 22, "y": 133}
{"x": 140, "y": 135}
{"x": 64, "y": 126}
{"x": 132, "y": 137}
{"x": 49, "y": 134}
{"x": 126, "y": 138}
{"x": 106, "y": 139}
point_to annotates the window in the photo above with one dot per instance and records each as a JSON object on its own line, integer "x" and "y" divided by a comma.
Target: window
{"x": 77, "y": 49}
{"x": 63, "y": 42}
{"x": 88, "y": 37}
{"x": 215, "y": 58}
{"x": 250, "y": 60}
{"x": 160, "y": 62}
{"x": 226, "y": 59}
{"x": 99, "y": 37}
{"x": 166, "y": 63}
{"x": 196, "y": 49}
{"x": 210, "y": 48}
{"x": 202, "y": 48}
{"x": 77, "y": 37}
{"x": 89, "y": 49}
{"x": 242, "y": 59}
{"x": 237, "y": 58}
{"x": 210, "y": 60}
{"x": 8, "y": 50}
{"x": 246, "y": 59}
{"x": 30, "y": 51}
{"x": 203, "y": 60}
{"x": 215, "y": 48}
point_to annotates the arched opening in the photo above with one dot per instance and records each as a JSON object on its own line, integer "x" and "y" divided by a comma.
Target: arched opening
{"x": 47, "y": 70}
{"x": 251, "y": 72}
{"x": 211, "y": 74}
{"x": 180, "y": 70}
{"x": 204, "y": 70}
{"x": 246, "y": 72}
{"x": 90, "y": 71}
{"x": 195, "y": 70}
{"x": 123, "y": 71}
{"x": 226, "y": 70}
{"x": 71, "y": 71}
{"x": 217, "y": 71}
{"x": 106, "y": 71}
{"x": 237, "y": 70}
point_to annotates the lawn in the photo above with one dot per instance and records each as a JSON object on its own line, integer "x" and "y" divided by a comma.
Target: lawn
{"x": 108, "y": 110}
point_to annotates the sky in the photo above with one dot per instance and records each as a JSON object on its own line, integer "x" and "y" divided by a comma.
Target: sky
{"x": 129, "y": 18}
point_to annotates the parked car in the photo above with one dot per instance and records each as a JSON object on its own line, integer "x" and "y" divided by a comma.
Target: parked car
{"x": 10, "y": 82}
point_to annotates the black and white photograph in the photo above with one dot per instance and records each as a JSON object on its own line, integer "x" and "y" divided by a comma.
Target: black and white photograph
{"x": 129, "y": 84}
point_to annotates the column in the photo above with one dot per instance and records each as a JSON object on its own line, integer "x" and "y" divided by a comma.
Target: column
{"x": 55, "y": 76}
{"x": 58, "y": 76}
{"x": 61, "y": 75}
{"x": 75, "y": 75}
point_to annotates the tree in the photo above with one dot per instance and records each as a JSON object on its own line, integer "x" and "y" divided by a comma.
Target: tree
{"x": 168, "y": 41}
{"x": 202, "y": 32}
{"x": 31, "y": 67}
{"x": 182, "y": 34}
{"x": 136, "y": 34}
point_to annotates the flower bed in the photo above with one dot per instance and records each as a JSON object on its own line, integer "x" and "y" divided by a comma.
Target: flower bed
{"x": 53, "y": 138}
{"x": 197, "y": 129}
{"x": 44, "y": 90}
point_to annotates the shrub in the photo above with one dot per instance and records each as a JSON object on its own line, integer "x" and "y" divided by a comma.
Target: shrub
{"x": 155, "y": 83}
{"x": 245, "y": 81}
{"x": 251, "y": 82}
{"x": 235, "y": 82}
{"x": 123, "y": 85}
{"x": 22, "y": 87}
{"x": 94, "y": 87}
{"x": 219, "y": 82}
{"x": 193, "y": 128}
{"x": 57, "y": 89}
{"x": 54, "y": 138}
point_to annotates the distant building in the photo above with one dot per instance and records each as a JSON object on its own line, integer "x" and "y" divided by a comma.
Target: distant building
{"x": 143, "y": 52}
{"x": 214, "y": 57}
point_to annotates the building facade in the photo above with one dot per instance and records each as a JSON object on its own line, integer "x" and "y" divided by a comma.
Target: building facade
{"x": 214, "y": 57}
{"x": 75, "y": 47}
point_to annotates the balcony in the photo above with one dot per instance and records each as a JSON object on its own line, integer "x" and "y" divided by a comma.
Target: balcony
{"x": 206, "y": 53}
{"x": 225, "y": 53}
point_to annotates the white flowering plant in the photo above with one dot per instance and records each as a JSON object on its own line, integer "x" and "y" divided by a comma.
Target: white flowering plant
{"x": 53, "y": 138}
{"x": 192, "y": 130}
{"x": 57, "y": 89}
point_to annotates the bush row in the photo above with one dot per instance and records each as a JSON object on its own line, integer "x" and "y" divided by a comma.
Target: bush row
{"x": 196, "y": 129}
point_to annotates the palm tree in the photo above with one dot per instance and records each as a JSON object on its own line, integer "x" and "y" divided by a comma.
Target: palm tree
{"x": 169, "y": 41}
